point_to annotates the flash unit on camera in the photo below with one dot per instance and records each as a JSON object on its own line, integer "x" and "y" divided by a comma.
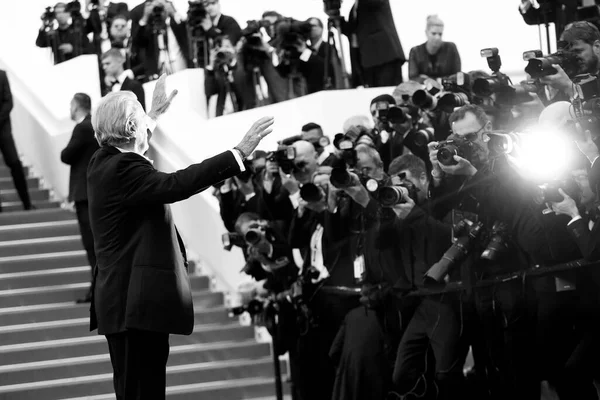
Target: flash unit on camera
{"x": 491, "y": 52}
{"x": 528, "y": 55}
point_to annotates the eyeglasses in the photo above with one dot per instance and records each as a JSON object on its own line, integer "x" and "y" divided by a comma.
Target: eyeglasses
{"x": 472, "y": 136}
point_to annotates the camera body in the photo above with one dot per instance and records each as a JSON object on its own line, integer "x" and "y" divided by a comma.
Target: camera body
{"x": 231, "y": 239}
{"x": 539, "y": 67}
{"x": 456, "y": 146}
{"x": 196, "y": 14}
{"x": 48, "y": 17}
{"x": 284, "y": 157}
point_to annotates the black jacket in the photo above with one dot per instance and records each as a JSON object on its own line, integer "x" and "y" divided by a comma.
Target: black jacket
{"x": 6, "y": 105}
{"x": 53, "y": 39}
{"x": 141, "y": 280}
{"x": 378, "y": 41}
{"x": 78, "y": 154}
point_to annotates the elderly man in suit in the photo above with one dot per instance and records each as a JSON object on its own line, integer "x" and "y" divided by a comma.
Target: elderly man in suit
{"x": 375, "y": 49}
{"x": 117, "y": 78}
{"x": 7, "y": 143}
{"x": 78, "y": 154}
{"x": 141, "y": 290}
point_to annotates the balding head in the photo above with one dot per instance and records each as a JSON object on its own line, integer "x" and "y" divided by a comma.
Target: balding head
{"x": 305, "y": 161}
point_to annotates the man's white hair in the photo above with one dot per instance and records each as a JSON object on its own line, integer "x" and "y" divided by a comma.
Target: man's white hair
{"x": 116, "y": 118}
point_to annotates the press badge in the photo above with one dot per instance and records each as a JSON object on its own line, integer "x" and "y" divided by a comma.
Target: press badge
{"x": 359, "y": 268}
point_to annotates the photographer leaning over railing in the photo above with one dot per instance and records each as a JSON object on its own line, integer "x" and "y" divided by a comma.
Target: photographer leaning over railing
{"x": 64, "y": 32}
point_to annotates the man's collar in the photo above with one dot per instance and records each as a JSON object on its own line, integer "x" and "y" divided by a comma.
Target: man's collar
{"x": 323, "y": 156}
{"x": 317, "y": 45}
{"x": 80, "y": 119}
{"x": 121, "y": 78}
{"x": 131, "y": 151}
{"x": 216, "y": 19}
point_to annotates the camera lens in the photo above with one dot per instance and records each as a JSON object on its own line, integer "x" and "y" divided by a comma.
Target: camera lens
{"x": 340, "y": 178}
{"x": 389, "y": 196}
{"x": 446, "y": 155}
{"x": 311, "y": 193}
{"x": 253, "y": 236}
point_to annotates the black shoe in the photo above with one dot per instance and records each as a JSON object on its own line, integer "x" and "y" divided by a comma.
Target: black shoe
{"x": 30, "y": 207}
{"x": 86, "y": 299}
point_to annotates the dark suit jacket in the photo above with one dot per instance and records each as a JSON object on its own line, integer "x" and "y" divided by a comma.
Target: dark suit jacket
{"x": 141, "y": 280}
{"x": 588, "y": 241}
{"x": 374, "y": 26}
{"x": 6, "y": 104}
{"x": 65, "y": 36}
{"x": 136, "y": 87}
{"x": 226, "y": 26}
{"x": 313, "y": 70}
{"x": 78, "y": 154}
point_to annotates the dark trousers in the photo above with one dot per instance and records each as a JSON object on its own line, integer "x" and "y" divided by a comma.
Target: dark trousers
{"x": 83, "y": 217}
{"x": 503, "y": 342}
{"x": 11, "y": 158}
{"x": 139, "y": 361}
{"x": 437, "y": 326}
{"x": 388, "y": 74}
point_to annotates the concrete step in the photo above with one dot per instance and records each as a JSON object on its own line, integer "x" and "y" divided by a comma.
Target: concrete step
{"x": 6, "y": 183}
{"x": 226, "y": 390}
{"x": 39, "y": 230}
{"x": 37, "y": 262}
{"x": 5, "y": 171}
{"x": 90, "y": 343}
{"x": 23, "y": 247}
{"x": 14, "y": 206}
{"x": 100, "y": 364}
{"x": 70, "y": 310}
{"x": 74, "y": 291}
{"x": 191, "y": 374}
{"x": 34, "y": 216}
{"x": 35, "y": 194}
{"x": 49, "y": 277}
{"x": 65, "y": 276}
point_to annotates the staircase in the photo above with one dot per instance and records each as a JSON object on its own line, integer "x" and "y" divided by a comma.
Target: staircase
{"x": 46, "y": 349}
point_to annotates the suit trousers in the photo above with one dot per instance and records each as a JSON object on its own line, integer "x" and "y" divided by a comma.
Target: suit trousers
{"x": 139, "y": 361}
{"x": 388, "y": 74}
{"x": 83, "y": 217}
{"x": 11, "y": 158}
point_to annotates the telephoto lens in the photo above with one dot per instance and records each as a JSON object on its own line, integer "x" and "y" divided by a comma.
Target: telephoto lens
{"x": 424, "y": 100}
{"x": 311, "y": 193}
{"x": 340, "y": 178}
{"x": 253, "y": 236}
{"x": 389, "y": 196}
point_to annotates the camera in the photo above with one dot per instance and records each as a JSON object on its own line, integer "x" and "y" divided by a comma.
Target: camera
{"x": 332, "y": 7}
{"x": 196, "y": 14}
{"x": 312, "y": 193}
{"x": 289, "y": 32}
{"x": 48, "y": 17}
{"x": 284, "y": 157}
{"x": 456, "y": 146}
{"x": 390, "y": 196}
{"x": 548, "y": 192}
{"x": 502, "y": 142}
{"x": 466, "y": 232}
{"x": 254, "y": 307}
{"x": 254, "y": 236}
{"x": 539, "y": 67}
{"x": 231, "y": 239}
{"x": 458, "y": 92}
{"x": 252, "y": 32}
{"x": 425, "y": 100}
{"x": 497, "y": 243}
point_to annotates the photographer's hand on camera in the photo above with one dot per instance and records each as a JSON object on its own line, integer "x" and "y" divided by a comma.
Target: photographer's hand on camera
{"x": 566, "y": 207}
{"x": 559, "y": 81}
{"x": 357, "y": 191}
{"x": 403, "y": 209}
{"x": 436, "y": 172}
{"x": 586, "y": 144}
{"x": 148, "y": 7}
{"x": 289, "y": 182}
{"x": 463, "y": 167}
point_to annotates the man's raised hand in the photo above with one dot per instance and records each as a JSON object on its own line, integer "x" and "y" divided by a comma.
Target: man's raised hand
{"x": 257, "y": 132}
{"x": 160, "y": 101}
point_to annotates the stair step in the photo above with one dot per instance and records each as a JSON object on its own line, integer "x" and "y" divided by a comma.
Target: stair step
{"x": 74, "y": 291}
{"x": 40, "y": 245}
{"x": 100, "y": 364}
{"x": 227, "y": 390}
{"x": 39, "y": 230}
{"x": 35, "y": 194}
{"x": 5, "y": 171}
{"x": 65, "y": 276}
{"x": 191, "y": 374}
{"x": 49, "y": 277}
{"x": 34, "y": 216}
{"x": 36, "y": 262}
{"x": 6, "y": 183}
{"x": 90, "y": 343}
{"x": 15, "y": 206}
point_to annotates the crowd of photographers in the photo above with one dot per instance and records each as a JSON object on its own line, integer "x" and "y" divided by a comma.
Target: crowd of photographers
{"x": 461, "y": 218}
{"x": 272, "y": 59}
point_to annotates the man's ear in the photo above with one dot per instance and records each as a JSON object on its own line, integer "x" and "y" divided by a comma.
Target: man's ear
{"x": 596, "y": 48}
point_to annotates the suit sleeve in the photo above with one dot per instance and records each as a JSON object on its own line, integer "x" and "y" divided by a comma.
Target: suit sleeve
{"x": 413, "y": 65}
{"x": 7, "y": 101}
{"x": 142, "y": 184}
{"x": 588, "y": 242}
{"x": 76, "y": 146}
{"x": 457, "y": 65}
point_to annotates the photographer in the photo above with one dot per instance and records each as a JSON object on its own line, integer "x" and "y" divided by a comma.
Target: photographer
{"x": 160, "y": 39}
{"x": 67, "y": 40}
{"x": 225, "y": 76}
{"x": 583, "y": 42}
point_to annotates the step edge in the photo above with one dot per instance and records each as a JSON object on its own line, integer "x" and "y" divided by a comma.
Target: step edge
{"x": 43, "y": 272}
{"x": 26, "y": 242}
{"x": 38, "y": 256}
{"x": 37, "y": 225}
